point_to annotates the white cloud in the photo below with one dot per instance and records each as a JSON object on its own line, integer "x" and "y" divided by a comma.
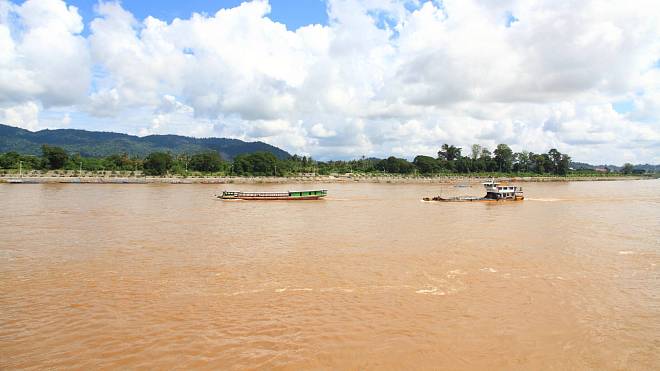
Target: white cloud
{"x": 320, "y": 131}
{"x": 24, "y": 116}
{"x": 379, "y": 79}
{"x": 43, "y": 56}
{"x": 104, "y": 103}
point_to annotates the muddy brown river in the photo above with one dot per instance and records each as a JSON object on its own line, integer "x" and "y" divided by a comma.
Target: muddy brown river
{"x": 167, "y": 277}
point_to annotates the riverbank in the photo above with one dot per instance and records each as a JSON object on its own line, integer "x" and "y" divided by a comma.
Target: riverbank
{"x": 397, "y": 179}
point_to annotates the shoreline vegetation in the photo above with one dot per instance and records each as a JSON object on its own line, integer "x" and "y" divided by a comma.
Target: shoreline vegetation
{"x": 73, "y": 177}
{"x": 56, "y": 165}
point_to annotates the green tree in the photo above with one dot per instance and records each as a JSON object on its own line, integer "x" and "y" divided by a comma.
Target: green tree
{"x": 542, "y": 163}
{"x": 564, "y": 165}
{"x": 258, "y": 163}
{"x": 463, "y": 164}
{"x": 449, "y": 153}
{"x": 476, "y": 151}
{"x": 503, "y": 158}
{"x": 555, "y": 155}
{"x": 486, "y": 161}
{"x": 55, "y": 157}
{"x": 555, "y": 160}
{"x": 426, "y": 164}
{"x": 119, "y": 162}
{"x": 396, "y": 165}
{"x": 9, "y": 160}
{"x": 627, "y": 168}
{"x": 158, "y": 163}
{"x": 522, "y": 161}
{"x": 535, "y": 162}
{"x": 206, "y": 161}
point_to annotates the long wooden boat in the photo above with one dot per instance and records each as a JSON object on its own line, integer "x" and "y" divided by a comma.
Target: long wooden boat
{"x": 274, "y": 196}
{"x": 494, "y": 192}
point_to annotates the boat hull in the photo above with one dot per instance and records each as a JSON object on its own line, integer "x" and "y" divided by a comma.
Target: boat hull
{"x": 301, "y": 198}
{"x": 274, "y": 196}
{"x": 472, "y": 199}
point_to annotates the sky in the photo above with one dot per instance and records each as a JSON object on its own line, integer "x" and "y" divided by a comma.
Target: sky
{"x": 340, "y": 79}
{"x": 293, "y": 13}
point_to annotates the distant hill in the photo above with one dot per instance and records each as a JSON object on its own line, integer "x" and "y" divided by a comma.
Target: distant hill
{"x": 645, "y": 167}
{"x": 101, "y": 144}
{"x": 582, "y": 166}
{"x": 649, "y": 168}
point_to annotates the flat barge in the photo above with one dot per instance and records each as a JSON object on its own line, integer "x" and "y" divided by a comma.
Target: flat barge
{"x": 494, "y": 192}
{"x": 274, "y": 196}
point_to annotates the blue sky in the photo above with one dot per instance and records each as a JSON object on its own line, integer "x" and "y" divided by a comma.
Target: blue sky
{"x": 383, "y": 77}
{"x": 293, "y": 13}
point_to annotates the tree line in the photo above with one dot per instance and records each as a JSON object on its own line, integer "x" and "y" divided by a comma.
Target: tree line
{"x": 450, "y": 159}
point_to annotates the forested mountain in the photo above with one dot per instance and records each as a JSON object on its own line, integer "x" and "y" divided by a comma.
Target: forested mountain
{"x": 649, "y": 168}
{"x": 102, "y": 144}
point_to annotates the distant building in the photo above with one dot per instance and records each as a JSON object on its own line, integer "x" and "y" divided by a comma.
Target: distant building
{"x": 602, "y": 169}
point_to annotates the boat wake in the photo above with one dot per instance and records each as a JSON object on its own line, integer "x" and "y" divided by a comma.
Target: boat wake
{"x": 543, "y": 199}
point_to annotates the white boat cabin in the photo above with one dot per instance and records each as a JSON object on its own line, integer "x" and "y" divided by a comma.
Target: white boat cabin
{"x": 496, "y": 191}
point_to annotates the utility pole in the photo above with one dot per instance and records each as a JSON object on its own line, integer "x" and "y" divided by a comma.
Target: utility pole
{"x": 20, "y": 169}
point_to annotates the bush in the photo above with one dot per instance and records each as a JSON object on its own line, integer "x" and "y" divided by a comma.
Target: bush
{"x": 158, "y": 163}
{"x": 55, "y": 157}
{"x": 258, "y": 163}
{"x": 395, "y": 165}
{"x": 207, "y": 161}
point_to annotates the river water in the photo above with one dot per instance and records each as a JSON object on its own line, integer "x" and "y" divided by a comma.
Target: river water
{"x": 165, "y": 276}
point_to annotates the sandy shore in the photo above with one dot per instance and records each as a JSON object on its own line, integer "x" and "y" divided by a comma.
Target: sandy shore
{"x": 307, "y": 179}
